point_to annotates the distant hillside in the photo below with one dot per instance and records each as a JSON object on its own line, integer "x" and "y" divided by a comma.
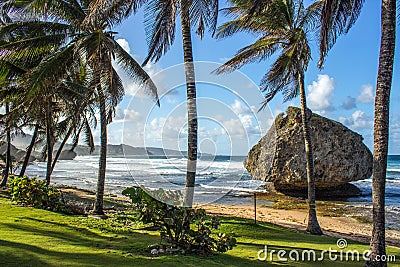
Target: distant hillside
{"x": 116, "y": 150}
{"x": 21, "y": 142}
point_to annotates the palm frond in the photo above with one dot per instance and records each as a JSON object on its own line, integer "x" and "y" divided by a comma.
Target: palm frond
{"x": 50, "y": 71}
{"x": 110, "y": 12}
{"x": 135, "y": 72}
{"x": 66, "y": 10}
{"x": 88, "y": 135}
{"x": 204, "y": 14}
{"x": 32, "y": 28}
{"x": 160, "y": 22}
{"x": 337, "y": 17}
{"x": 260, "y": 50}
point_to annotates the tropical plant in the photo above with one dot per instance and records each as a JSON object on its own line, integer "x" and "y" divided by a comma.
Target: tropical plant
{"x": 186, "y": 230}
{"x": 160, "y": 20}
{"x": 35, "y": 193}
{"x": 283, "y": 27}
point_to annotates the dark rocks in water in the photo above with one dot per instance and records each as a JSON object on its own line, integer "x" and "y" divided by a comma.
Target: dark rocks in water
{"x": 338, "y": 192}
{"x": 67, "y": 155}
{"x": 340, "y": 155}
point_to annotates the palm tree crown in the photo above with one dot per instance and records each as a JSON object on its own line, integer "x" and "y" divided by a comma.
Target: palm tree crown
{"x": 283, "y": 27}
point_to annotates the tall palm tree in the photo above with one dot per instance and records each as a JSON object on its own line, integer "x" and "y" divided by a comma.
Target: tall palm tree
{"x": 283, "y": 26}
{"x": 29, "y": 150}
{"x": 78, "y": 40}
{"x": 337, "y": 17}
{"x": 80, "y": 118}
{"x": 160, "y": 19}
{"x": 381, "y": 130}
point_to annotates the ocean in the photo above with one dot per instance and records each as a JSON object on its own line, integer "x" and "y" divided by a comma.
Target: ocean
{"x": 217, "y": 176}
{"x": 220, "y": 179}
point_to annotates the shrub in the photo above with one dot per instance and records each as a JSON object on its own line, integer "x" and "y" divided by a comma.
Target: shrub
{"x": 35, "y": 193}
{"x": 186, "y": 230}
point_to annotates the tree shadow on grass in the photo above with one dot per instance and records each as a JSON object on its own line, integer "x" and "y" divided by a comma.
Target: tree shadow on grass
{"x": 275, "y": 233}
{"x": 74, "y": 245}
{"x": 19, "y": 254}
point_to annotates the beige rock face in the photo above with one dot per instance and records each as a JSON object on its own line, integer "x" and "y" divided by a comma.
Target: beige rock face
{"x": 340, "y": 155}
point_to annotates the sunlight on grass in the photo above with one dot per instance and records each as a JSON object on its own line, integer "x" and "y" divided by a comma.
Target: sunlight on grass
{"x": 40, "y": 238}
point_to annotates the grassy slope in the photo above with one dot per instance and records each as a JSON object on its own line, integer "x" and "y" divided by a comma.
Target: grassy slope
{"x": 32, "y": 237}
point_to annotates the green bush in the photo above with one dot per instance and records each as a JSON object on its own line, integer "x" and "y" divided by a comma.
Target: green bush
{"x": 35, "y": 193}
{"x": 186, "y": 230}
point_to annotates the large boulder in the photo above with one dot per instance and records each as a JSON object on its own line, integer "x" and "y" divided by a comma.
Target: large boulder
{"x": 340, "y": 155}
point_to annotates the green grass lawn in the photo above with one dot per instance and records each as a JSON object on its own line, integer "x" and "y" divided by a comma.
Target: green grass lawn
{"x": 33, "y": 237}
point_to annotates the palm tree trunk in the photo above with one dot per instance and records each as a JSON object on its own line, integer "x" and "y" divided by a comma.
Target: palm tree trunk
{"x": 50, "y": 143}
{"x": 98, "y": 206}
{"x": 191, "y": 107}
{"x": 7, "y": 169}
{"x": 313, "y": 225}
{"x": 381, "y": 131}
{"x": 29, "y": 150}
{"x": 60, "y": 149}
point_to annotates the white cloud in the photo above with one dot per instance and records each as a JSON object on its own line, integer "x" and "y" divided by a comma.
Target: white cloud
{"x": 132, "y": 88}
{"x": 223, "y": 59}
{"x": 320, "y": 93}
{"x": 349, "y": 103}
{"x": 366, "y": 94}
{"x": 168, "y": 130}
{"x": 132, "y": 115}
{"x": 127, "y": 115}
{"x": 245, "y": 119}
{"x": 124, "y": 44}
{"x": 358, "y": 121}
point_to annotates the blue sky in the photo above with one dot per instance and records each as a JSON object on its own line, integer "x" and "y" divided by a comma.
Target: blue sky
{"x": 229, "y": 122}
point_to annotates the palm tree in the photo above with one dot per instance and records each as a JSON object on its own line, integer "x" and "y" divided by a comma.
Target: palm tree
{"x": 29, "y": 150}
{"x": 80, "y": 118}
{"x": 337, "y": 18}
{"x": 8, "y": 73}
{"x": 381, "y": 130}
{"x": 78, "y": 40}
{"x": 283, "y": 27}
{"x": 7, "y": 169}
{"x": 160, "y": 17}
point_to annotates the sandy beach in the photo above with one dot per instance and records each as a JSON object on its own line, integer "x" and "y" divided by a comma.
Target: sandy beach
{"x": 340, "y": 227}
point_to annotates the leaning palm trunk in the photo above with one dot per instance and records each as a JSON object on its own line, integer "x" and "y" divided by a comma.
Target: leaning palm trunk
{"x": 381, "y": 130}
{"x": 29, "y": 151}
{"x": 313, "y": 225}
{"x": 7, "y": 169}
{"x": 50, "y": 143}
{"x": 57, "y": 156}
{"x": 192, "y": 109}
{"x": 98, "y": 206}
